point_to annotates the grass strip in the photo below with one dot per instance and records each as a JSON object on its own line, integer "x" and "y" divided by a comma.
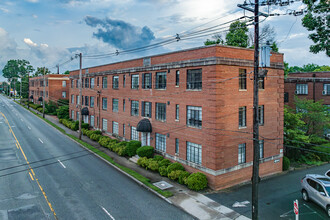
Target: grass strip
{"x": 132, "y": 173}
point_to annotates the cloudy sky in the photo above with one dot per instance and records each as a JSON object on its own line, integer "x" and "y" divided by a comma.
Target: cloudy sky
{"x": 49, "y": 32}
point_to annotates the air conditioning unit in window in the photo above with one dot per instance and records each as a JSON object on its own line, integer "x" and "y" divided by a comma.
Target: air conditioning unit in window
{"x": 296, "y": 92}
{"x": 324, "y": 92}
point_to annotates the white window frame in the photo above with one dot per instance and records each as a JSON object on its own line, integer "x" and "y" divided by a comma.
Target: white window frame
{"x": 63, "y": 83}
{"x": 92, "y": 121}
{"x": 194, "y": 153}
{"x": 242, "y": 153}
{"x": 242, "y": 118}
{"x": 63, "y": 94}
{"x": 261, "y": 148}
{"x": 326, "y": 89}
{"x": 72, "y": 99}
{"x": 160, "y": 142}
{"x": 115, "y": 127}
{"x": 104, "y": 124}
{"x": 134, "y": 134}
{"x": 302, "y": 89}
{"x": 191, "y": 120}
{"x": 114, "y": 105}
{"x": 135, "y": 81}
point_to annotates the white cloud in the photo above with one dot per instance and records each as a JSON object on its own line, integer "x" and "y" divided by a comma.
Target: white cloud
{"x": 4, "y": 10}
{"x": 29, "y": 42}
{"x": 35, "y": 16}
{"x": 33, "y": 1}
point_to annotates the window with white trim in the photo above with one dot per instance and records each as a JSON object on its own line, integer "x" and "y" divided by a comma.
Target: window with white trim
{"x": 326, "y": 89}
{"x": 104, "y": 82}
{"x": 176, "y": 112}
{"x": 194, "y": 116}
{"x": 241, "y": 153}
{"x": 146, "y": 109}
{"x": 146, "y": 81}
{"x": 92, "y": 83}
{"x": 115, "y": 105}
{"x": 63, "y": 83}
{"x": 92, "y": 101}
{"x": 160, "y": 142}
{"x": 72, "y": 99}
{"x": 242, "y": 79}
{"x": 104, "y": 103}
{"x": 194, "y": 79}
{"x": 134, "y": 134}
{"x": 115, "y": 127}
{"x": 104, "y": 124}
{"x": 176, "y": 145}
{"x": 161, "y": 111}
{"x": 261, "y": 148}
{"x": 135, "y": 81}
{"x": 135, "y": 108}
{"x": 115, "y": 82}
{"x": 194, "y": 152}
{"x": 301, "y": 89}
{"x": 161, "y": 80}
{"x": 92, "y": 121}
{"x": 242, "y": 116}
{"x": 72, "y": 114}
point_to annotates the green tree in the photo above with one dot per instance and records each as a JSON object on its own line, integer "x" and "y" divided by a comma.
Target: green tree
{"x": 217, "y": 40}
{"x": 66, "y": 72}
{"x": 274, "y": 47}
{"x": 306, "y": 68}
{"x": 17, "y": 68}
{"x": 237, "y": 35}
{"x": 40, "y": 71}
{"x": 323, "y": 68}
{"x": 315, "y": 115}
{"x": 318, "y": 21}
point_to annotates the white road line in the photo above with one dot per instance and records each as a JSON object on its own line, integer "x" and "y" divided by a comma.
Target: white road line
{"x": 61, "y": 164}
{"x": 107, "y": 213}
{"x": 312, "y": 210}
{"x": 40, "y": 140}
{"x": 29, "y": 128}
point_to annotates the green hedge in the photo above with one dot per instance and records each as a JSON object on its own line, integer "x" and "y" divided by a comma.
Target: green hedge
{"x": 183, "y": 177}
{"x": 197, "y": 181}
{"x": 95, "y": 137}
{"x": 143, "y": 162}
{"x": 174, "y": 175}
{"x": 162, "y": 171}
{"x": 132, "y": 146}
{"x": 153, "y": 165}
{"x": 158, "y": 158}
{"x": 286, "y": 163}
{"x": 145, "y": 151}
{"x": 164, "y": 163}
{"x": 174, "y": 166}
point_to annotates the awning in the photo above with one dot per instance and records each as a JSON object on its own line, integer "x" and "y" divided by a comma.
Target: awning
{"x": 84, "y": 111}
{"x": 40, "y": 99}
{"x": 31, "y": 96}
{"x": 144, "y": 126}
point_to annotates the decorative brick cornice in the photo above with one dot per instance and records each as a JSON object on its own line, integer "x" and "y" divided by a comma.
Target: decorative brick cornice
{"x": 306, "y": 79}
{"x": 182, "y": 64}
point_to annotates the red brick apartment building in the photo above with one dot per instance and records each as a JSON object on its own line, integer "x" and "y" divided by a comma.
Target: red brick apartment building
{"x": 314, "y": 86}
{"x": 194, "y": 106}
{"x": 56, "y": 88}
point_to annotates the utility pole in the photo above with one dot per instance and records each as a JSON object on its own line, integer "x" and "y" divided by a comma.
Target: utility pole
{"x": 58, "y": 68}
{"x": 80, "y": 93}
{"x": 43, "y": 96}
{"x": 28, "y": 90}
{"x": 20, "y": 92}
{"x": 256, "y": 149}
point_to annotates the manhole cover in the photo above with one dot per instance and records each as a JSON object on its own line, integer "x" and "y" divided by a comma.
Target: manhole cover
{"x": 162, "y": 185}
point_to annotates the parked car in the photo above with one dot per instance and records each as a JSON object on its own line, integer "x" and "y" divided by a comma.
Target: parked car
{"x": 327, "y": 174}
{"x": 316, "y": 188}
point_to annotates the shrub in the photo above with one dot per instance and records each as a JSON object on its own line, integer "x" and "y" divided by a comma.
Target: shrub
{"x": 40, "y": 109}
{"x": 164, "y": 163}
{"x": 153, "y": 165}
{"x": 84, "y": 125}
{"x": 174, "y": 175}
{"x": 183, "y": 177}
{"x": 97, "y": 132}
{"x": 174, "y": 166}
{"x": 158, "y": 158}
{"x": 197, "y": 181}
{"x": 132, "y": 146}
{"x": 95, "y": 137}
{"x": 142, "y": 161}
{"x": 145, "y": 151}
{"x": 162, "y": 171}
{"x": 74, "y": 126}
{"x": 104, "y": 141}
{"x": 286, "y": 163}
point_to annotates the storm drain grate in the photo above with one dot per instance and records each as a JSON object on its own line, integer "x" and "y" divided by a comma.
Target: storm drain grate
{"x": 163, "y": 185}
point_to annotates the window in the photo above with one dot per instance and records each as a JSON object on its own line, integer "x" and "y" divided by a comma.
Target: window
{"x": 241, "y": 153}
{"x": 124, "y": 130}
{"x": 194, "y": 153}
{"x": 98, "y": 81}
{"x": 115, "y": 82}
{"x": 261, "y": 148}
{"x": 242, "y": 116}
{"x": 160, "y": 142}
{"x": 77, "y": 114}
{"x": 104, "y": 103}
{"x": 63, "y": 83}
{"x": 63, "y": 95}
{"x": 286, "y": 97}
{"x": 86, "y": 82}
{"x": 134, "y": 134}
{"x": 135, "y": 81}
{"x": 77, "y": 83}
{"x": 82, "y": 100}
{"x": 146, "y": 109}
{"x": 261, "y": 83}
{"x": 194, "y": 116}
{"x": 146, "y": 81}
{"x": 176, "y": 112}
{"x": 177, "y": 77}
{"x": 326, "y": 89}
{"x": 72, "y": 114}
{"x": 86, "y": 100}
{"x": 78, "y": 99}
{"x": 161, "y": 111}
{"x": 104, "y": 124}
{"x": 135, "y": 108}
{"x": 92, "y": 83}
{"x": 261, "y": 114}
{"x": 176, "y": 146}
{"x": 92, "y": 121}
{"x": 115, "y": 128}
{"x": 72, "y": 82}
{"x": 194, "y": 79}
{"x": 85, "y": 119}
{"x": 301, "y": 89}
{"x": 124, "y": 105}
{"x": 161, "y": 80}
{"x": 72, "y": 99}
{"x": 92, "y": 102}
{"x": 124, "y": 81}
{"x": 115, "y": 105}
{"x": 242, "y": 79}
{"x": 104, "y": 82}
{"x": 47, "y": 82}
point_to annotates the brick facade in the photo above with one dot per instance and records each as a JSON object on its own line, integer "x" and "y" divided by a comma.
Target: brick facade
{"x": 315, "y": 82}
{"x": 56, "y": 86}
{"x": 219, "y": 99}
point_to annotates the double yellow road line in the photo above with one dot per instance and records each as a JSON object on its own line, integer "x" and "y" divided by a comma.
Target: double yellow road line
{"x": 31, "y": 172}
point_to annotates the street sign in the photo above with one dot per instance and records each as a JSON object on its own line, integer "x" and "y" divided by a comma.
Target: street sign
{"x": 296, "y": 208}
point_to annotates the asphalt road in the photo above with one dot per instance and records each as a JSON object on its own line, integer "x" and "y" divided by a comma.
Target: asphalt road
{"x": 276, "y": 196}
{"x": 45, "y": 175}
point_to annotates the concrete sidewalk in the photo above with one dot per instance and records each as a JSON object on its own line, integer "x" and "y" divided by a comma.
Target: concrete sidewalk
{"x": 194, "y": 203}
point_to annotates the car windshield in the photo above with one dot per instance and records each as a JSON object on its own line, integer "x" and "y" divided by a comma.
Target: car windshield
{"x": 328, "y": 189}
